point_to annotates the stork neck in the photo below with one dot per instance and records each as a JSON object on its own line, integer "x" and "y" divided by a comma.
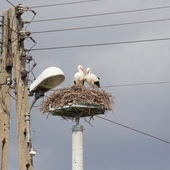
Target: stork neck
{"x": 88, "y": 72}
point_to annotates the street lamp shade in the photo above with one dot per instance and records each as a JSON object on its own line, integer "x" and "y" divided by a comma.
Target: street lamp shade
{"x": 48, "y": 79}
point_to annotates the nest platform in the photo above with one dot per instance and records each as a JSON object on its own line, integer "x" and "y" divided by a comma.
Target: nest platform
{"x": 69, "y": 102}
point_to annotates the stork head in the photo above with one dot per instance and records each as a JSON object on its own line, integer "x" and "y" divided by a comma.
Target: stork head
{"x": 79, "y": 67}
{"x": 88, "y": 70}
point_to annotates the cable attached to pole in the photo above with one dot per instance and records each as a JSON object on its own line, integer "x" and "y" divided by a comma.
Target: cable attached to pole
{"x": 138, "y": 131}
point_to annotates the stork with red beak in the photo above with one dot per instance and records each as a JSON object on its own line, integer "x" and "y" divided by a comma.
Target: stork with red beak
{"x": 79, "y": 76}
{"x": 91, "y": 79}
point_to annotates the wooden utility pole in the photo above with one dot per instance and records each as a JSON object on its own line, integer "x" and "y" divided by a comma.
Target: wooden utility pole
{"x": 13, "y": 60}
{"x": 5, "y": 80}
{"x": 21, "y": 91}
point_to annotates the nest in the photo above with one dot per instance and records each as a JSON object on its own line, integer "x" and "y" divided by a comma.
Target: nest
{"x": 77, "y": 100}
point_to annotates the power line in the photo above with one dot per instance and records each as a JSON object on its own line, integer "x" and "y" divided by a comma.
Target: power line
{"x": 137, "y": 84}
{"x": 101, "y": 26}
{"x": 127, "y": 127}
{"x": 128, "y": 85}
{"x": 66, "y": 3}
{"x": 11, "y": 3}
{"x": 101, "y": 44}
{"x": 10, "y": 28}
{"x": 103, "y": 14}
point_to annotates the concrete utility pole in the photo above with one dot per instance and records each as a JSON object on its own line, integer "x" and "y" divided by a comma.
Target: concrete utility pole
{"x": 77, "y": 146}
{"x": 21, "y": 90}
{"x": 5, "y": 81}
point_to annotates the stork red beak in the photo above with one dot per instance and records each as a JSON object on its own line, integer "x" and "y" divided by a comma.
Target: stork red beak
{"x": 83, "y": 71}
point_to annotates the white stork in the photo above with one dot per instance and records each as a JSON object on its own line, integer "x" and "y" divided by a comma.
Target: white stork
{"x": 91, "y": 79}
{"x": 79, "y": 76}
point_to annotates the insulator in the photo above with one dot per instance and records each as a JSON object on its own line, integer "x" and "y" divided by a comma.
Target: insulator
{"x": 24, "y": 74}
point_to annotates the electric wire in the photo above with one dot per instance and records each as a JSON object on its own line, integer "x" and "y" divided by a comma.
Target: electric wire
{"x": 138, "y": 131}
{"x": 10, "y": 3}
{"x": 102, "y": 14}
{"x": 11, "y": 94}
{"x": 101, "y": 44}
{"x": 10, "y": 28}
{"x": 65, "y": 3}
{"x": 30, "y": 22}
{"x": 136, "y": 84}
{"x": 101, "y": 26}
{"x": 124, "y": 85}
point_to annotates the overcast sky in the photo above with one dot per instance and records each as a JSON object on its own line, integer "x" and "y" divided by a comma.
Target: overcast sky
{"x": 146, "y": 108}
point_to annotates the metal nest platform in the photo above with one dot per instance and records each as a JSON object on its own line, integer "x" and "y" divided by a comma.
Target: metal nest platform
{"x": 69, "y": 102}
{"x": 77, "y": 108}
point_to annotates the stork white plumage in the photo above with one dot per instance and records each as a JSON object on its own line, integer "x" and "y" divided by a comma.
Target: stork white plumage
{"x": 79, "y": 76}
{"x": 91, "y": 79}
